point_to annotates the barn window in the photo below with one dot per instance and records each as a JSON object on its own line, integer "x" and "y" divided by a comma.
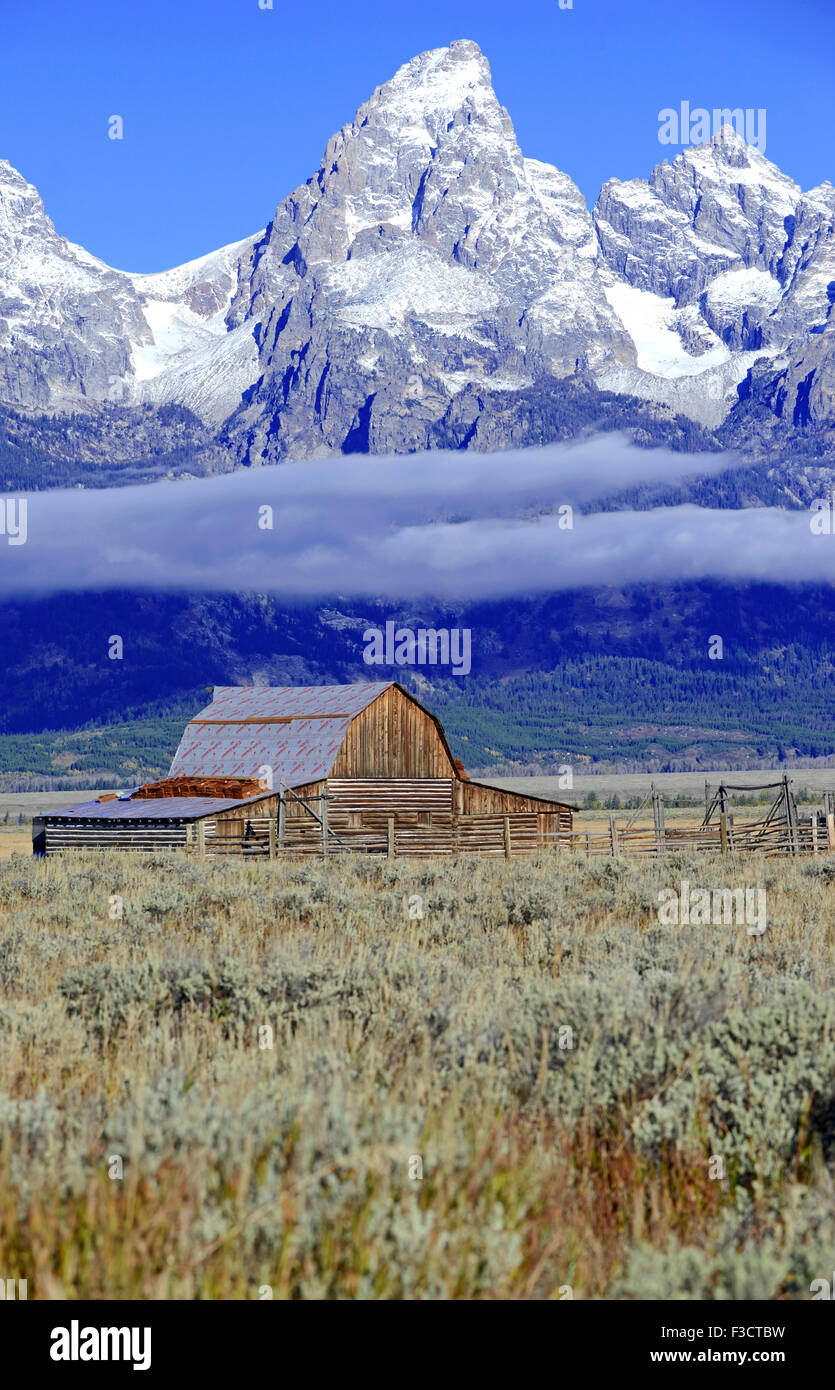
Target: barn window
{"x": 354, "y": 820}
{"x": 424, "y": 818}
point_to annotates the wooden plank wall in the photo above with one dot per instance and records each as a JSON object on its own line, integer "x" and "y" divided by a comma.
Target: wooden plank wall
{"x": 393, "y": 738}
{"x": 127, "y": 835}
{"x": 426, "y": 816}
{"x": 232, "y": 822}
{"x": 422, "y": 810}
{"x": 478, "y": 800}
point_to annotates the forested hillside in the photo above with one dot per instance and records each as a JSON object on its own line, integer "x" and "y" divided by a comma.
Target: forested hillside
{"x": 605, "y": 678}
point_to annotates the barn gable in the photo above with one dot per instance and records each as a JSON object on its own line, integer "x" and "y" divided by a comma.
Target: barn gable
{"x": 304, "y": 733}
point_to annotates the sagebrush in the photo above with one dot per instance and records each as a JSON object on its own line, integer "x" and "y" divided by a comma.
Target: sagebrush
{"x": 521, "y": 1092}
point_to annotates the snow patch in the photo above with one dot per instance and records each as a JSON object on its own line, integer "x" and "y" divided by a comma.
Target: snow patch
{"x": 652, "y": 324}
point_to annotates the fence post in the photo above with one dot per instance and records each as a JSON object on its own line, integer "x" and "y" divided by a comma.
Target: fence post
{"x": 201, "y": 839}
{"x": 658, "y": 817}
{"x": 324, "y": 805}
{"x": 189, "y": 837}
{"x": 282, "y": 816}
{"x": 723, "y": 822}
{"x": 273, "y": 850}
{"x": 830, "y": 820}
{"x": 506, "y": 821}
{"x": 390, "y": 838}
{"x": 613, "y": 832}
{"x": 791, "y": 815}
{"x": 814, "y": 832}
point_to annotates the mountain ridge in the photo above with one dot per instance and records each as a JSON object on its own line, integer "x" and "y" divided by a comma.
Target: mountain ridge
{"x": 426, "y": 260}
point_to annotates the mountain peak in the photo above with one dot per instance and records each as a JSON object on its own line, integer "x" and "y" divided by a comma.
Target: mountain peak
{"x": 727, "y": 137}
{"x": 426, "y": 94}
{"x": 458, "y": 68}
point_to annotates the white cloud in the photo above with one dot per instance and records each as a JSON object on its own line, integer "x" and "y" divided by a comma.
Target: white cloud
{"x": 454, "y": 525}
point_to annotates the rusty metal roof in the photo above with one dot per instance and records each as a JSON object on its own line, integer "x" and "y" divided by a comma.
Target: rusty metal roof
{"x": 295, "y": 731}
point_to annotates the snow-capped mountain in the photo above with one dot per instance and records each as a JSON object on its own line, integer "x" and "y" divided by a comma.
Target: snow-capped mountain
{"x": 716, "y": 261}
{"x": 428, "y": 260}
{"x": 74, "y": 331}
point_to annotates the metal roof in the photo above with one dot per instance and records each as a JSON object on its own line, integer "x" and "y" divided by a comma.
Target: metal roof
{"x": 303, "y": 751}
{"x": 296, "y": 731}
{"x": 159, "y": 808}
{"x": 288, "y": 701}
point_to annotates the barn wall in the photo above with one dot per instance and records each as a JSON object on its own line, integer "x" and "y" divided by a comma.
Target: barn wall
{"x": 393, "y": 737}
{"x": 480, "y": 801}
{"x": 233, "y": 821}
{"x": 51, "y": 834}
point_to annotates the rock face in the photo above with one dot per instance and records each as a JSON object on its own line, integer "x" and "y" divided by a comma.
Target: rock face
{"x": 742, "y": 258}
{"x": 66, "y": 320}
{"x": 428, "y": 266}
{"x": 424, "y": 255}
{"x": 74, "y": 332}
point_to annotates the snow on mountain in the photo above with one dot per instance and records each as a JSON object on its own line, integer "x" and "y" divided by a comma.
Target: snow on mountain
{"x": 66, "y": 319}
{"x": 427, "y": 255}
{"x": 193, "y": 357}
{"x": 724, "y": 236}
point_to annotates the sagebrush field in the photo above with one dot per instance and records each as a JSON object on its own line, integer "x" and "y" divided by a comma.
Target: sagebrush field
{"x": 562, "y": 1070}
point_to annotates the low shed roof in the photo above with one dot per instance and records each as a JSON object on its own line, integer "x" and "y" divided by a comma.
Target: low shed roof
{"x": 159, "y": 808}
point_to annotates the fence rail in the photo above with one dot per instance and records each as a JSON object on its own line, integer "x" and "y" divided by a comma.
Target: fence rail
{"x": 517, "y": 836}
{"x": 436, "y": 832}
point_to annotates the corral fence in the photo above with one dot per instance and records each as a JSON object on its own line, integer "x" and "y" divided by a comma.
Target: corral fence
{"x": 493, "y": 835}
{"x": 779, "y": 831}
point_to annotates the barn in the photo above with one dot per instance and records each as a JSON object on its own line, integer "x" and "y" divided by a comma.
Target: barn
{"x": 312, "y": 769}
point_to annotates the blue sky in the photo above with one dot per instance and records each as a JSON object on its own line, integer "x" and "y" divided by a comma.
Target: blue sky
{"x": 227, "y": 107}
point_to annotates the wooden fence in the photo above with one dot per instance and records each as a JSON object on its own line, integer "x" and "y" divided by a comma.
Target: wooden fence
{"x": 430, "y": 833}
{"x": 779, "y": 832}
{"x": 512, "y": 837}
{"x": 493, "y": 835}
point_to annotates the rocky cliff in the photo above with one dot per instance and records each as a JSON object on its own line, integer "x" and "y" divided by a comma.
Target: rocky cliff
{"x": 428, "y": 272}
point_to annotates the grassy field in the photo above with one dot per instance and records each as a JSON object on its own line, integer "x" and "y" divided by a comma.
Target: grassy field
{"x": 223, "y": 1079}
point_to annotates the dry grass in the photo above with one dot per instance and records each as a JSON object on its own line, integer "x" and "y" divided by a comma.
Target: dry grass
{"x": 15, "y": 842}
{"x": 544, "y": 1166}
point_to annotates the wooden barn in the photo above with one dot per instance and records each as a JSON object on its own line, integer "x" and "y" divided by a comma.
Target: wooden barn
{"x": 277, "y": 769}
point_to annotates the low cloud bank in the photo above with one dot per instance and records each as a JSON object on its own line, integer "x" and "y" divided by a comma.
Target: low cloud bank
{"x": 450, "y": 525}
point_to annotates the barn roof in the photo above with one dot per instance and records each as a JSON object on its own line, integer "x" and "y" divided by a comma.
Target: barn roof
{"x": 296, "y": 731}
{"x": 245, "y": 702}
{"x": 161, "y": 808}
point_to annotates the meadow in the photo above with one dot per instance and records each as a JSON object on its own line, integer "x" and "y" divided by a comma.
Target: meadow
{"x": 363, "y": 1079}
